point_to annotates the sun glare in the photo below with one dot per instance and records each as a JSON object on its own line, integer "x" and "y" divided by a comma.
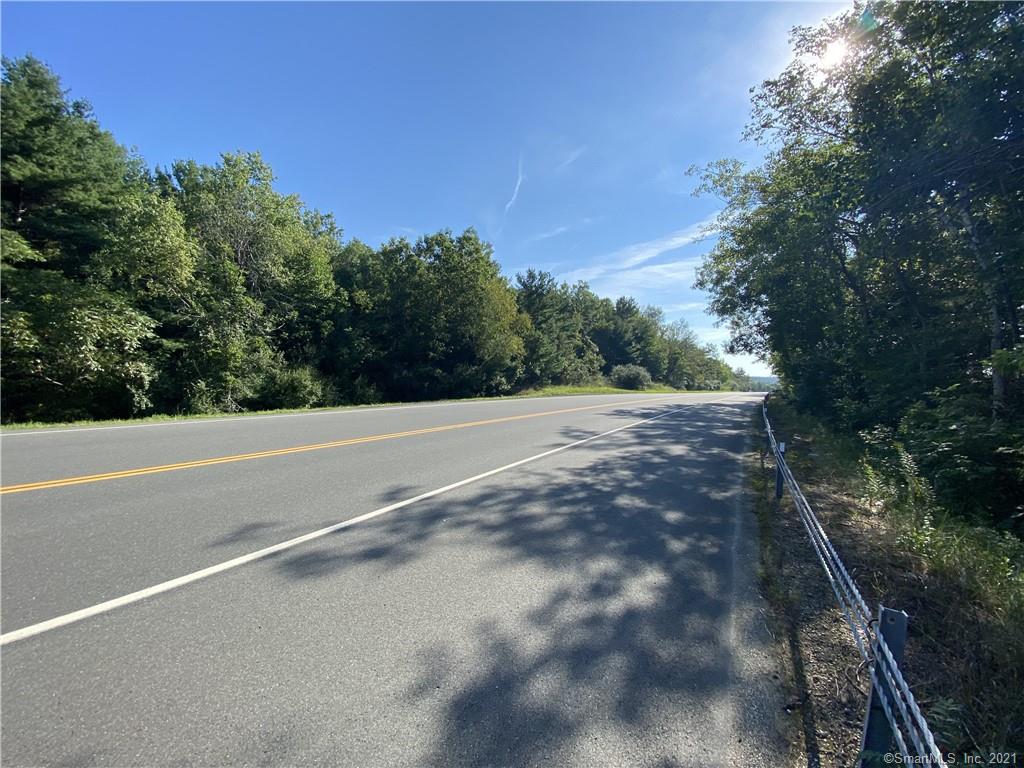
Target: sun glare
{"x": 834, "y": 54}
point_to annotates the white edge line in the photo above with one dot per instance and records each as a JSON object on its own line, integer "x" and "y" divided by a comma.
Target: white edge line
{"x": 181, "y": 581}
{"x": 4, "y": 434}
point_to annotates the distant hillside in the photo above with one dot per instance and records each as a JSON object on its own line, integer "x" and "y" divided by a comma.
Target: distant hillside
{"x": 765, "y": 382}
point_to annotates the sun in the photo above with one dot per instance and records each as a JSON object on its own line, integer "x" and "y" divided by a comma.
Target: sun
{"x": 834, "y": 53}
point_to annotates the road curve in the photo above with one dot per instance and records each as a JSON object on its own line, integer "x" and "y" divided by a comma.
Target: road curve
{"x": 565, "y": 581}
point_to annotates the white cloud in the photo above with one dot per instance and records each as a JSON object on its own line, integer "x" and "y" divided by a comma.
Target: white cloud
{"x": 515, "y": 193}
{"x": 712, "y": 334}
{"x": 717, "y": 336}
{"x": 637, "y": 253}
{"x": 548, "y": 235}
{"x": 670, "y": 276}
{"x": 688, "y": 306}
{"x": 571, "y": 158}
{"x": 750, "y": 364}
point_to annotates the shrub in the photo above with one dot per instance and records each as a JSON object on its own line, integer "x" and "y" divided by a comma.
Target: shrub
{"x": 631, "y": 377}
{"x": 298, "y": 387}
{"x": 974, "y": 462}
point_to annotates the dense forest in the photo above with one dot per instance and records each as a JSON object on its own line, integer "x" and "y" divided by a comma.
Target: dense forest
{"x": 876, "y": 257}
{"x": 198, "y": 288}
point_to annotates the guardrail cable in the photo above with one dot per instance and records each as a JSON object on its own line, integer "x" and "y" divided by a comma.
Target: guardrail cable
{"x": 894, "y": 695}
{"x": 855, "y": 609}
{"x": 886, "y": 707}
{"x": 916, "y": 724}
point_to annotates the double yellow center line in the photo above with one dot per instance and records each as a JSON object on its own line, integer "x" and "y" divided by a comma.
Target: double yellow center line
{"x": 82, "y": 479}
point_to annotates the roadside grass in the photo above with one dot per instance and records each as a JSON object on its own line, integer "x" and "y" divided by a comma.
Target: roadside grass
{"x": 962, "y": 586}
{"x": 599, "y": 389}
{"x": 550, "y": 391}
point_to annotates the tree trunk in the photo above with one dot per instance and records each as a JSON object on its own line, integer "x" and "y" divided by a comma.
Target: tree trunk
{"x": 996, "y": 323}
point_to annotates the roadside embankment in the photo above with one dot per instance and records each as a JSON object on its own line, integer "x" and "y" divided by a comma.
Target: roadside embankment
{"x": 961, "y": 586}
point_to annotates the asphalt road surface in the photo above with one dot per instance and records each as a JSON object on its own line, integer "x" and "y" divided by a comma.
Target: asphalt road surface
{"x": 587, "y": 598}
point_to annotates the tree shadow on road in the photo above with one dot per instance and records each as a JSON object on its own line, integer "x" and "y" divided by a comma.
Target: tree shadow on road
{"x": 628, "y": 601}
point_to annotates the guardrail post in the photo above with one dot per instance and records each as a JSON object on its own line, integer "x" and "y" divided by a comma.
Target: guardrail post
{"x": 778, "y": 470}
{"x": 878, "y": 739}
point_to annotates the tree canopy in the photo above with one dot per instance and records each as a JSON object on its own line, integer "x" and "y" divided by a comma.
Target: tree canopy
{"x": 876, "y": 257}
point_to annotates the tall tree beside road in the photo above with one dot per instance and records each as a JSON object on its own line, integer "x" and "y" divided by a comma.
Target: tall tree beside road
{"x": 265, "y": 298}
{"x": 427, "y": 319}
{"x": 877, "y": 256}
{"x": 84, "y": 236}
{"x": 558, "y": 347}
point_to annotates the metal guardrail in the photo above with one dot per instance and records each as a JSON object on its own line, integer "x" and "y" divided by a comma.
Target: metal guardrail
{"x": 893, "y": 715}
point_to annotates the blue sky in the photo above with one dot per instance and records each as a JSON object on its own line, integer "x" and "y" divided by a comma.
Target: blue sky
{"x": 561, "y": 132}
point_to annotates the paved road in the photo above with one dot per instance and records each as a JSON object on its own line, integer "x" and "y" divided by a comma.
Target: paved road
{"x": 593, "y": 606}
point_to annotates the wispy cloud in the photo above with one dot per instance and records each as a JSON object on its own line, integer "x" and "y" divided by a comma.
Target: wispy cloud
{"x": 515, "y": 192}
{"x": 712, "y": 334}
{"x": 548, "y": 235}
{"x": 687, "y": 306}
{"x": 630, "y": 256}
{"x": 571, "y": 158}
{"x": 646, "y": 280}
{"x": 638, "y": 253}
